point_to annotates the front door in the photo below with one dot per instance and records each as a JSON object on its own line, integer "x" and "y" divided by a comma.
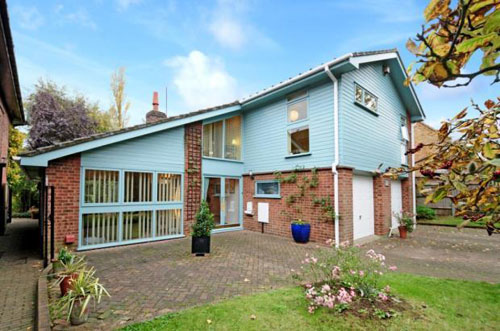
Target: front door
{"x": 223, "y": 198}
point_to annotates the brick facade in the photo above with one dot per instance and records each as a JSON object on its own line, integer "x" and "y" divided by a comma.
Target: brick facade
{"x": 192, "y": 173}
{"x": 345, "y": 205}
{"x": 382, "y": 204}
{"x": 279, "y": 224}
{"x": 64, "y": 175}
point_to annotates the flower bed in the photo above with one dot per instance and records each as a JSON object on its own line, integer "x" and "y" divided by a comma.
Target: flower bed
{"x": 345, "y": 280}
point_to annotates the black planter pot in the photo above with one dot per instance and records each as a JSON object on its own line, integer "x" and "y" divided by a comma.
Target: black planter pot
{"x": 200, "y": 245}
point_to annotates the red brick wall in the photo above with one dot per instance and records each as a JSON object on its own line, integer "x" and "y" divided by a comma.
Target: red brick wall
{"x": 4, "y": 140}
{"x": 345, "y": 205}
{"x": 64, "y": 175}
{"x": 192, "y": 173}
{"x": 279, "y": 224}
{"x": 382, "y": 204}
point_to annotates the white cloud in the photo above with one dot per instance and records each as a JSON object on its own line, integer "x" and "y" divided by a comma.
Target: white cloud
{"x": 202, "y": 81}
{"x": 124, "y": 4}
{"x": 28, "y": 17}
{"x": 230, "y": 27}
{"x": 81, "y": 17}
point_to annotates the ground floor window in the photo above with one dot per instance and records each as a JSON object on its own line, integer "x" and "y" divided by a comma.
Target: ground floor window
{"x": 100, "y": 228}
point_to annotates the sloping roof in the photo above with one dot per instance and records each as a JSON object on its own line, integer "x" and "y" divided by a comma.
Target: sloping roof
{"x": 356, "y": 58}
{"x": 9, "y": 81}
{"x": 97, "y": 136}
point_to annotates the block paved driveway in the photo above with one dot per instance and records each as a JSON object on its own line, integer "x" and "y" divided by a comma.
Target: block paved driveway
{"x": 153, "y": 279}
{"x": 20, "y": 266}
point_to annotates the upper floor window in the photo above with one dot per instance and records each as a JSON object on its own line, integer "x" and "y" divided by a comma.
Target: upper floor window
{"x": 222, "y": 139}
{"x": 138, "y": 186}
{"x": 404, "y": 141}
{"x": 404, "y": 129}
{"x": 365, "y": 98}
{"x": 297, "y": 110}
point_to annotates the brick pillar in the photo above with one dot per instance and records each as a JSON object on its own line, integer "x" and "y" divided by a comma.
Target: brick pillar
{"x": 192, "y": 173}
{"x": 64, "y": 175}
{"x": 345, "y": 205}
{"x": 382, "y": 204}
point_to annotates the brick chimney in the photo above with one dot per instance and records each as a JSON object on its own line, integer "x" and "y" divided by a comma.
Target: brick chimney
{"x": 155, "y": 115}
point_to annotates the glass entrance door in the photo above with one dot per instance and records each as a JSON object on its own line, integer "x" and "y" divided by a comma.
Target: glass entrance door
{"x": 223, "y": 198}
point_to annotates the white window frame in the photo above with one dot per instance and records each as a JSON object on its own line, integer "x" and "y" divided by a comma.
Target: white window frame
{"x": 299, "y": 124}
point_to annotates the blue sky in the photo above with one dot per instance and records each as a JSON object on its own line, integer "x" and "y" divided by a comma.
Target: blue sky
{"x": 209, "y": 52}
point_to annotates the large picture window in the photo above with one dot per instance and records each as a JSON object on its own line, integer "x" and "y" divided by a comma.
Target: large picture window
{"x": 137, "y": 225}
{"x": 169, "y": 187}
{"x": 101, "y": 186}
{"x": 100, "y": 228}
{"x": 222, "y": 139}
{"x": 138, "y": 186}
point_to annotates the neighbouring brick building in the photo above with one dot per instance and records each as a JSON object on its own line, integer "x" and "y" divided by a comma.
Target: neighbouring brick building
{"x": 11, "y": 107}
{"x": 338, "y": 126}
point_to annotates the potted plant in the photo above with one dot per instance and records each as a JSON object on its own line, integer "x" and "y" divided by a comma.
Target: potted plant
{"x": 301, "y": 231}
{"x": 201, "y": 229}
{"x": 405, "y": 221}
{"x": 69, "y": 273}
{"x": 76, "y": 303}
{"x": 64, "y": 257}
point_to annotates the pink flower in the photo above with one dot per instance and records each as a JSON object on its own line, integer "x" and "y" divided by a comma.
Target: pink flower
{"x": 382, "y": 296}
{"x": 314, "y": 260}
{"x": 336, "y": 272}
{"x": 325, "y": 288}
{"x": 352, "y": 272}
{"x": 361, "y": 273}
{"x": 311, "y": 309}
{"x": 393, "y": 268}
{"x": 387, "y": 289}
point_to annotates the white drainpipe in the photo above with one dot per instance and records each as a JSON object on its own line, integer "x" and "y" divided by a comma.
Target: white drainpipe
{"x": 413, "y": 177}
{"x": 336, "y": 146}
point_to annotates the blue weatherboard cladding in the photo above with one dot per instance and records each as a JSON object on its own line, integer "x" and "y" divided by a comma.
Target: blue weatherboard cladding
{"x": 265, "y": 133}
{"x": 159, "y": 151}
{"x": 365, "y": 139}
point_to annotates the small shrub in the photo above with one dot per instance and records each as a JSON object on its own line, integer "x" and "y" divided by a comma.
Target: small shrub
{"x": 425, "y": 213}
{"x": 204, "y": 221}
{"x": 405, "y": 219}
{"x": 25, "y": 214}
{"x": 338, "y": 277}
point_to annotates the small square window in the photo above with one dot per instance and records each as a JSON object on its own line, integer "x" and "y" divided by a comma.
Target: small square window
{"x": 370, "y": 101}
{"x": 267, "y": 189}
{"x": 298, "y": 140}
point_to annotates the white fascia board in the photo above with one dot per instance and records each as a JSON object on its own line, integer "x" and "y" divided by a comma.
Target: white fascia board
{"x": 42, "y": 160}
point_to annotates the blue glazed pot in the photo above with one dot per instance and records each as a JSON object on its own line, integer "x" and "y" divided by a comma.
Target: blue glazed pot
{"x": 301, "y": 232}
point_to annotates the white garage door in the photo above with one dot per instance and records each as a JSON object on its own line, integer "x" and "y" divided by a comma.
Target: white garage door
{"x": 396, "y": 201}
{"x": 363, "y": 208}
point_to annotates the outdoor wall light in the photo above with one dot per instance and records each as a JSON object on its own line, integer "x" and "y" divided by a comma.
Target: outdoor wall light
{"x": 251, "y": 174}
{"x": 386, "y": 69}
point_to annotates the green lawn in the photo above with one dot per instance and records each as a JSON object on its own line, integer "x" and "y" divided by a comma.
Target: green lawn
{"x": 450, "y": 220}
{"x": 439, "y": 304}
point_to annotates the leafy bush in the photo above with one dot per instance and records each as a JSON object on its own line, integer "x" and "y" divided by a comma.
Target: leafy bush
{"x": 337, "y": 277}
{"x": 204, "y": 221}
{"x": 65, "y": 256}
{"x": 25, "y": 214}
{"x": 425, "y": 213}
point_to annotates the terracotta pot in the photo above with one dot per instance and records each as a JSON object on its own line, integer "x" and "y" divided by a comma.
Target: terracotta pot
{"x": 403, "y": 231}
{"x": 78, "y": 317}
{"x": 65, "y": 284}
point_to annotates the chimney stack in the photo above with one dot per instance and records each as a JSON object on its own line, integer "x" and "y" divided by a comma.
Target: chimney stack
{"x": 155, "y": 115}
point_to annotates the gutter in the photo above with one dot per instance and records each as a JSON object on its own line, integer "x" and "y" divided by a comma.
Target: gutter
{"x": 297, "y": 78}
{"x": 326, "y": 68}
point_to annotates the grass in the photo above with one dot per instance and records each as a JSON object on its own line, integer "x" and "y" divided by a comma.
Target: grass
{"x": 439, "y": 304}
{"x": 451, "y": 220}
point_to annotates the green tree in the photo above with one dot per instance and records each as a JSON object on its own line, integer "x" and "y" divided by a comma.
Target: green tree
{"x": 467, "y": 168}
{"x": 119, "y": 109}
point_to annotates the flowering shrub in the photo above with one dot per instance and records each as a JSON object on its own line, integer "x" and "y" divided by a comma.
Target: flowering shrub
{"x": 337, "y": 277}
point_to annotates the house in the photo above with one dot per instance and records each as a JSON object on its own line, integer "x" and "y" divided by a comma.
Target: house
{"x": 343, "y": 121}
{"x": 11, "y": 107}
{"x": 426, "y": 134}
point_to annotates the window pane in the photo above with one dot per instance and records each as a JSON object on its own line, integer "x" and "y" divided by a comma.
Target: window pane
{"x": 271, "y": 188}
{"x": 298, "y": 140}
{"x": 100, "y": 228}
{"x": 233, "y": 138}
{"x": 168, "y": 222}
{"x": 138, "y": 186}
{"x": 101, "y": 186}
{"x": 296, "y": 95}
{"x": 212, "y": 139}
{"x": 169, "y": 187}
{"x": 359, "y": 94}
{"x": 137, "y": 225}
{"x": 370, "y": 101}
{"x": 297, "y": 111}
